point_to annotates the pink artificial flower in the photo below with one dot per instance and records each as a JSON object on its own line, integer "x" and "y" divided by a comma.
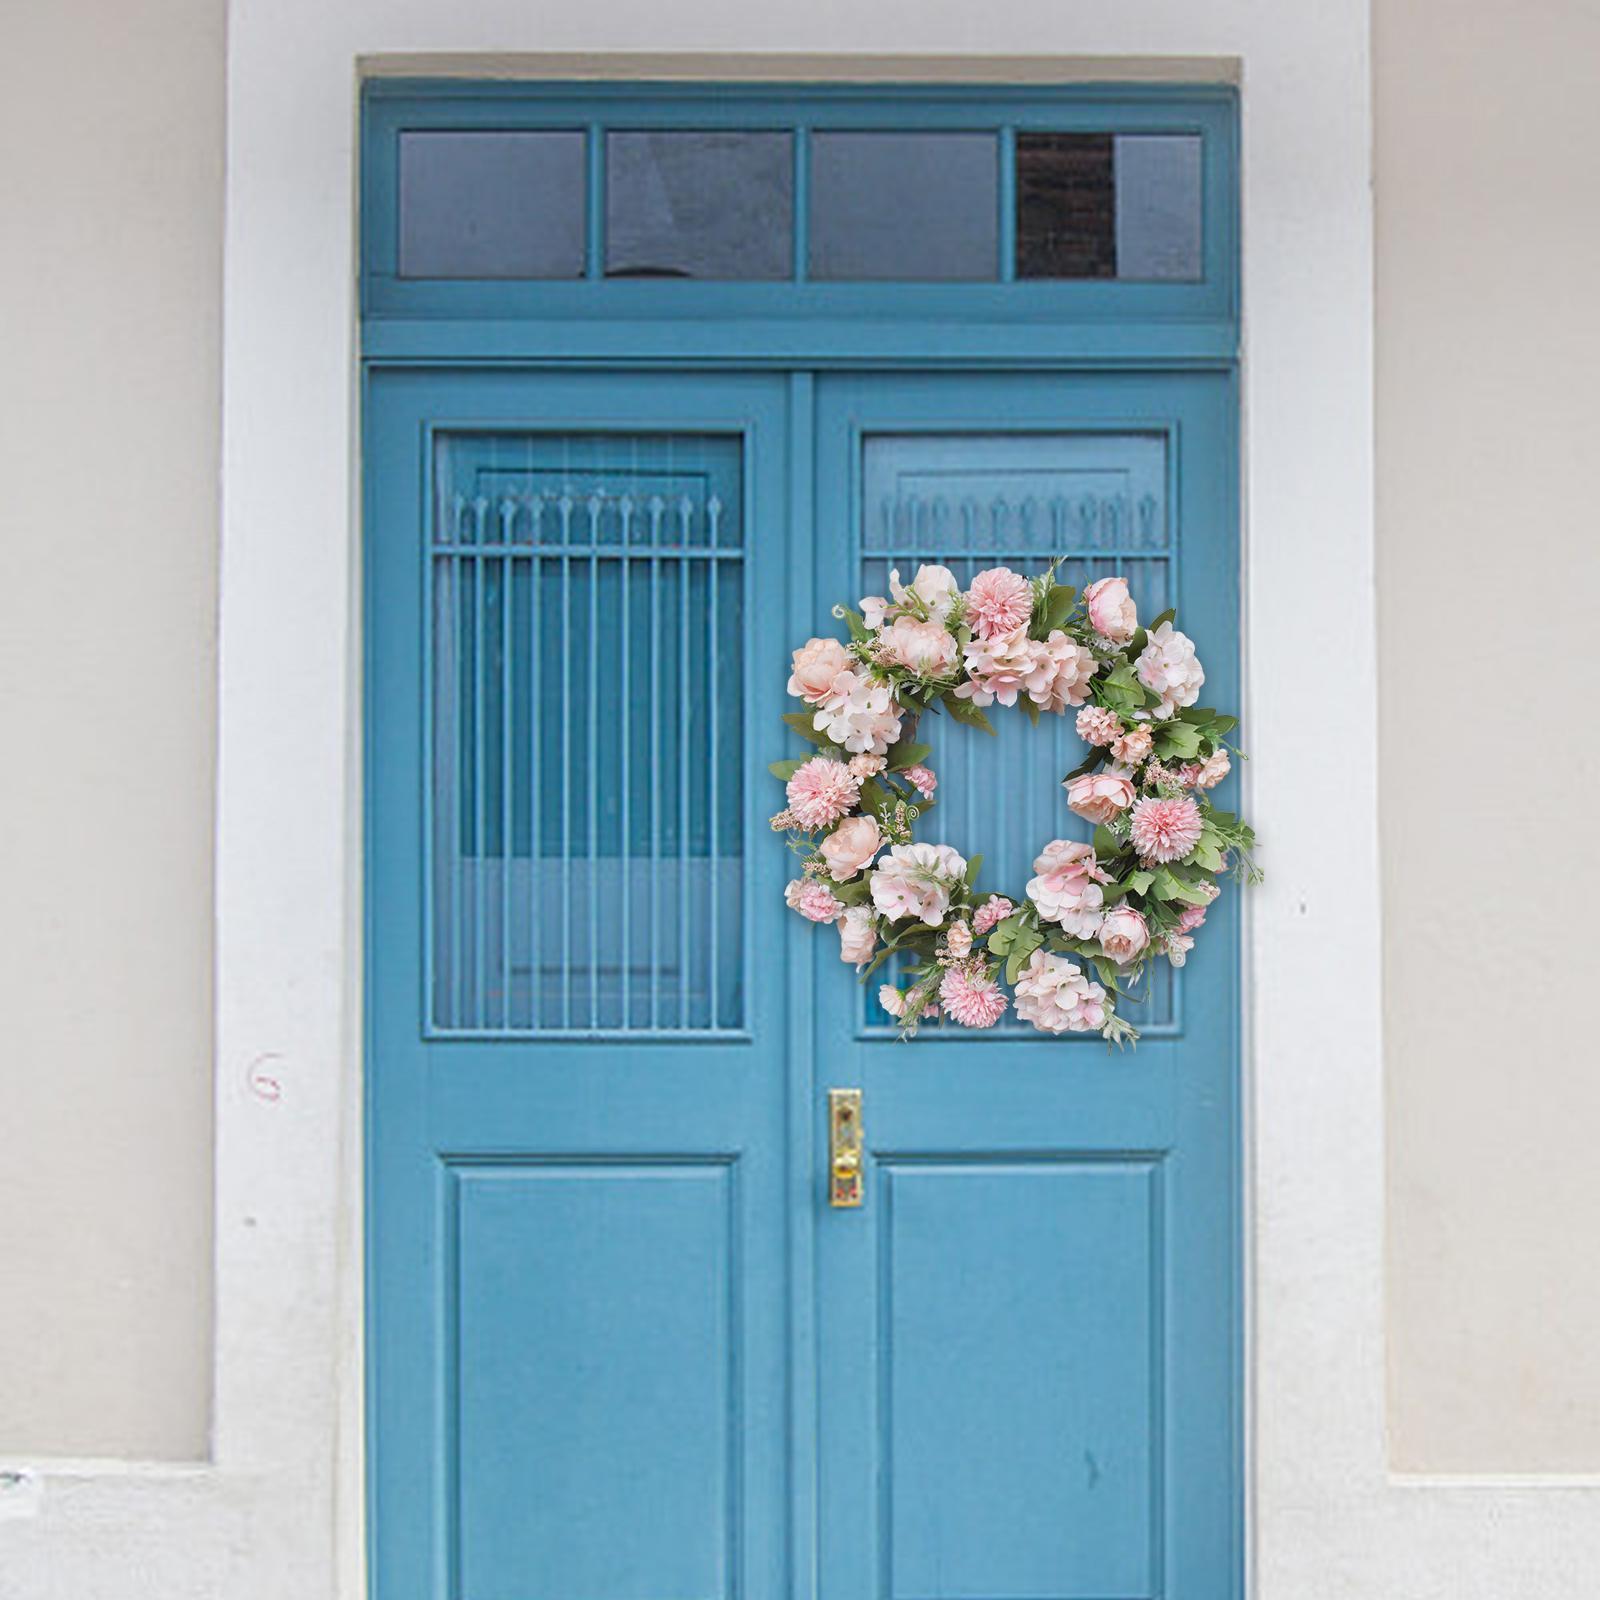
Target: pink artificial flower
{"x": 998, "y": 667}
{"x": 851, "y": 846}
{"x": 814, "y": 901}
{"x": 916, "y": 880}
{"x": 1055, "y": 996}
{"x": 891, "y": 1000}
{"x": 859, "y": 713}
{"x": 1099, "y": 796}
{"x": 958, "y": 941}
{"x": 1124, "y": 934}
{"x": 857, "y": 936}
{"x": 1067, "y": 889}
{"x": 971, "y": 996}
{"x": 1190, "y": 918}
{"x": 927, "y": 649}
{"x": 1213, "y": 770}
{"x": 1177, "y": 947}
{"x": 816, "y": 664}
{"x": 992, "y": 913}
{"x": 1168, "y": 667}
{"x": 922, "y": 780}
{"x": 1188, "y": 774}
{"x": 999, "y": 601}
{"x": 1165, "y": 830}
{"x": 866, "y": 766}
{"x": 875, "y": 611}
{"x": 1098, "y": 726}
{"x": 822, "y": 791}
{"x": 1111, "y": 610}
{"x": 1134, "y": 746}
{"x": 1061, "y": 672}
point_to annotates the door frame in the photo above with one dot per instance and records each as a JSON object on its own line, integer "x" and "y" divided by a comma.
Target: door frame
{"x": 279, "y": 1499}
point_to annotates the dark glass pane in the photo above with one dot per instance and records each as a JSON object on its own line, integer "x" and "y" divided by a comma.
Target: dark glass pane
{"x": 904, "y": 205}
{"x": 1098, "y": 205}
{"x": 491, "y": 205}
{"x": 699, "y": 205}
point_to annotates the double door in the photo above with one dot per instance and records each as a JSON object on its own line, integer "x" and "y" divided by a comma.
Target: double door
{"x": 621, "y": 1347}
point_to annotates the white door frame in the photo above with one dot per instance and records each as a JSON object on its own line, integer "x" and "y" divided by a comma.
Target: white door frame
{"x": 278, "y": 1509}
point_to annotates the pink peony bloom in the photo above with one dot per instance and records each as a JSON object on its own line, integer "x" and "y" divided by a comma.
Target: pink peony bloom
{"x": 916, "y": 880}
{"x": 1124, "y": 934}
{"x": 814, "y": 901}
{"x": 816, "y": 664}
{"x": 1190, "y": 918}
{"x": 865, "y": 766}
{"x": 927, "y": 649}
{"x": 1165, "y": 830}
{"x": 1098, "y": 726}
{"x": 851, "y": 846}
{"x": 857, "y": 936}
{"x": 998, "y": 668}
{"x": 1177, "y": 947}
{"x": 999, "y": 601}
{"x": 860, "y": 714}
{"x": 958, "y": 941}
{"x": 1061, "y": 673}
{"x": 1213, "y": 770}
{"x": 1168, "y": 667}
{"x": 921, "y": 778}
{"x": 822, "y": 791}
{"x": 891, "y": 1000}
{"x": 992, "y": 913}
{"x": 1099, "y": 796}
{"x": 1054, "y": 995}
{"x": 1067, "y": 889}
{"x": 1111, "y": 610}
{"x": 971, "y": 996}
{"x": 1134, "y": 746}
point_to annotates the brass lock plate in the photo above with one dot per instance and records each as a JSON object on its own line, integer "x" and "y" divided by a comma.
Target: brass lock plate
{"x": 846, "y": 1173}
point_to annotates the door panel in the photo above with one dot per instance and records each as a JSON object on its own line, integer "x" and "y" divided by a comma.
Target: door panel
{"x": 576, "y": 1096}
{"x": 1028, "y": 1334}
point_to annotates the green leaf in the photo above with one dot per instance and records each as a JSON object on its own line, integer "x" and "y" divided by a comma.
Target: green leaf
{"x": 785, "y": 769}
{"x": 804, "y": 723}
{"x": 1136, "y": 644}
{"x": 874, "y": 796}
{"x": 1208, "y": 853}
{"x": 1059, "y": 607}
{"x": 1178, "y": 739}
{"x": 972, "y": 874}
{"x": 908, "y": 755}
{"x": 1166, "y": 616}
{"x": 853, "y": 621}
{"x": 1167, "y": 886}
{"x": 1106, "y": 842}
{"x": 965, "y": 711}
{"x": 1032, "y": 710}
{"x": 1222, "y": 725}
{"x": 1095, "y": 758}
{"x": 1139, "y": 881}
{"x": 853, "y": 893}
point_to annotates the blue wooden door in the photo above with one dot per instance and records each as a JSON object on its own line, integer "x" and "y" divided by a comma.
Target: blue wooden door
{"x": 620, "y": 1346}
{"x": 1028, "y": 1335}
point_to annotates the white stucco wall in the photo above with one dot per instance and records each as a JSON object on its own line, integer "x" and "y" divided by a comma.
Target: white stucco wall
{"x": 1487, "y": 236}
{"x": 110, "y": 282}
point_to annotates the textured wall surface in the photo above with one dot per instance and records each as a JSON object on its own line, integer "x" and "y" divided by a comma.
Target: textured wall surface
{"x": 1488, "y": 231}
{"x": 110, "y": 204}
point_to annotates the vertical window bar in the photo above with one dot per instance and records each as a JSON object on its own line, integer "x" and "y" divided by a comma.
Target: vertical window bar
{"x": 480, "y": 796}
{"x": 802, "y": 201}
{"x": 657, "y": 507}
{"x": 508, "y": 512}
{"x": 535, "y": 772}
{"x": 713, "y": 843}
{"x": 1007, "y": 191}
{"x": 685, "y": 573}
{"x": 455, "y": 855}
{"x": 625, "y": 882}
{"x": 596, "y": 775}
{"x": 564, "y": 506}
{"x": 594, "y": 265}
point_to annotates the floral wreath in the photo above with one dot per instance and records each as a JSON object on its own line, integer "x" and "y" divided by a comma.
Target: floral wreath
{"x": 1140, "y": 889}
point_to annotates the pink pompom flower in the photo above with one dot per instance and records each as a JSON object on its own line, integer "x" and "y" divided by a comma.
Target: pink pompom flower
{"x": 971, "y": 996}
{"x": 999, "y": 601}
{"x": 822, "y": 791}
{"x": 991, "y": 913}
{"x": 1165, "y": 829}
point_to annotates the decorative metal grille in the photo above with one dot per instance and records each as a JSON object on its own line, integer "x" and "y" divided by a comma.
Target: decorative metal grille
{"x": 1098, "y": 502}
{"x": 587, "y": 827}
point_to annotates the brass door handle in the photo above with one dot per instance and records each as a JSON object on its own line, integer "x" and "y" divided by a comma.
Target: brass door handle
{"x": 847, "y": 1178}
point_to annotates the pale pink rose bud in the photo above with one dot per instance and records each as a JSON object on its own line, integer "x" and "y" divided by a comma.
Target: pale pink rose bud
{"x": 891, "y": 1000}
{"x": 857, "y": 936}
{"x": 1099, "y": 796}
{"x": 1213, "y": 770}
{"x": 927, "y": 649}
{"x": 1190, "y": 918}
{"x": 1098, "y": 726}
{"x": 851, "y": 846}
{"x": 922, "y": 779}
{"x": 1112, "y": 613}
{"x": 1134, "y": 746}
{"x": 1124, "y": 934}
{"x": 958, "y": 941}
{"x": 866, "y": 765}
{"x": 816, "y": 664}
